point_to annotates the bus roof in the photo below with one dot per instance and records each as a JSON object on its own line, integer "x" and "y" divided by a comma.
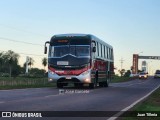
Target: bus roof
{"x": 70, "y": 34}
{"x": 83, "y": 35}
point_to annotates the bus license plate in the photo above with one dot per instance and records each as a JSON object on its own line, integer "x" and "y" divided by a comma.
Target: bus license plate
{"x": 62, "y": 63}
{"x": 68, "y": 77}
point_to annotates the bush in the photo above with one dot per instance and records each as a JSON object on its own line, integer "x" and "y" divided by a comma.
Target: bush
{"x": 5, "y": 74}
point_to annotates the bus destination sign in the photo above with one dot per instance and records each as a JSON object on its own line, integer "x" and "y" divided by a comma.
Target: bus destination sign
{"x": 62, "y": 41}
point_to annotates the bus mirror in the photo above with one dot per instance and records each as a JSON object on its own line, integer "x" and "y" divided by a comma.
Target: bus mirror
{"x": 94, "y": 49}
{"x": 45, "y": 50}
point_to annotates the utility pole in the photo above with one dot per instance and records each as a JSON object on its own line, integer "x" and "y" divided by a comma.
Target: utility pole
{"x": 121, "y": 60}
{"x": 27, "y": 61}
{"x": 121, "y": 71}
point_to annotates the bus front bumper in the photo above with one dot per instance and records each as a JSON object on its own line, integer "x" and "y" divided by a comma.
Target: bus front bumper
{"x": 84, "y": 77}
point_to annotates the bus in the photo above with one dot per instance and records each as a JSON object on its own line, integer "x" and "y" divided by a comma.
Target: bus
{"x": 80, "y": 59}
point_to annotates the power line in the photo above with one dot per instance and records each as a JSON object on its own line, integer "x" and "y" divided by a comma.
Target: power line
{"x": 26, "y": 54}
{"x": 22, "y": 30}
{"x": 31, "y": 54}
{"x": 20, "y": 41}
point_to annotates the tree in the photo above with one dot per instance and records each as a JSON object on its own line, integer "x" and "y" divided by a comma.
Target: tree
{"x": 1, "y": 60}
{"x": 31, "y": 62}
{"x": 128, "y": 73}
{"x": 36, "y": 72}
{"x": 122, "y": 72}
{"x": 11, "y": 58}
{"x": 44, "y": 62}
{"x": 16, "y": 70}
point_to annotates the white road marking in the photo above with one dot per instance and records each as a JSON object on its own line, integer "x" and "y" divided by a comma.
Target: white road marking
{"x": 52, "y": 95}
{"x": 130, "y": 106}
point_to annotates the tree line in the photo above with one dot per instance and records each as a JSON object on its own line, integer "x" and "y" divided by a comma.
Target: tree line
{"x": 9, "y": 65}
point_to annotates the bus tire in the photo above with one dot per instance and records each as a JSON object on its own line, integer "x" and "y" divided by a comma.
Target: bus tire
{"x": 106, "y": 84}
{"x": 101, "y": 84}
{"x": 59, "y": 85}
{"x": 79, "y": 85}
{"x": 76, "y": 85}
{"x": 91, "y": 85}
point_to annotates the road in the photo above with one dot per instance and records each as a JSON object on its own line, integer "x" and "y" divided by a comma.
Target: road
{"x": 114, "y": 98}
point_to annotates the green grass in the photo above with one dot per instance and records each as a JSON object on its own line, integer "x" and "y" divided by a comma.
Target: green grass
{"x": 151, "y": 104}
{"x": 25, "y": 86}
{"x": 24, "y": 82}
{"x": 121, "y": 79}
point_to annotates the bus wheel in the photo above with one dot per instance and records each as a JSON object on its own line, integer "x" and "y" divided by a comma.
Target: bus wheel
{"x": 59, "y": 85}
{"x": 106, "y": 83}
{"x": 91, "y": 85}
{"x": 78, "y": 85}
{"x": 101, "y": 84}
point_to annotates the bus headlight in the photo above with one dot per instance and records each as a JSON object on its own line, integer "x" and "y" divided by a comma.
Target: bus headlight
{"x": 50, "y": 79}
{"x": 87, "y": 80}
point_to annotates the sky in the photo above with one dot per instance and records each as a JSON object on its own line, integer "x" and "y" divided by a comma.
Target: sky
{"x": 130, "y": 26}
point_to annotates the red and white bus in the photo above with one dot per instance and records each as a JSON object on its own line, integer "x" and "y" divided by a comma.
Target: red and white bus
{"x": 79, "y": 59}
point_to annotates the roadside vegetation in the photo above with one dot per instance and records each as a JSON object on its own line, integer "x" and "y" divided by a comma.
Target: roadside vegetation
{"x": 9, "y": 65}
{"x": 12, "y": 75}
{"x": 149, "y": 105}
{"x": 122, "y": 79}
{"x": 24, "y": 82}
{"x": 124, "y": 76}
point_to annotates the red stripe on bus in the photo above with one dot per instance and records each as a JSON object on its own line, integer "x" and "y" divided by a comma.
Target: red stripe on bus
{"x": 68, "y": 72}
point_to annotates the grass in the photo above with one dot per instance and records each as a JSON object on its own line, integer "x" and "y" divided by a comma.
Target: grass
{"x": 25, "y": 86}
{"x": 122, "y": 79}
{"x": 150, "y": 105}
{"x": 24, "y": 82}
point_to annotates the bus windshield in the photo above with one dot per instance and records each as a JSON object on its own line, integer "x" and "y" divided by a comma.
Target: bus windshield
{"x": 74, "y": 50}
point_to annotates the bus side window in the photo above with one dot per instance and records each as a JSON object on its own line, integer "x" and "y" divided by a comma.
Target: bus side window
{"x": 98, "y": 48}
{"x": 96, "y": 53}
{"x": 101, "y": 52}
{"x": 104, "y": 51}
{"x": 107, "y": 52}
{"x": 112, "y": 53}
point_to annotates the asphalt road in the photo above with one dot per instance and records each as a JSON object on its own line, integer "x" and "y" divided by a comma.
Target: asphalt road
{"x": 114, "y": 98}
